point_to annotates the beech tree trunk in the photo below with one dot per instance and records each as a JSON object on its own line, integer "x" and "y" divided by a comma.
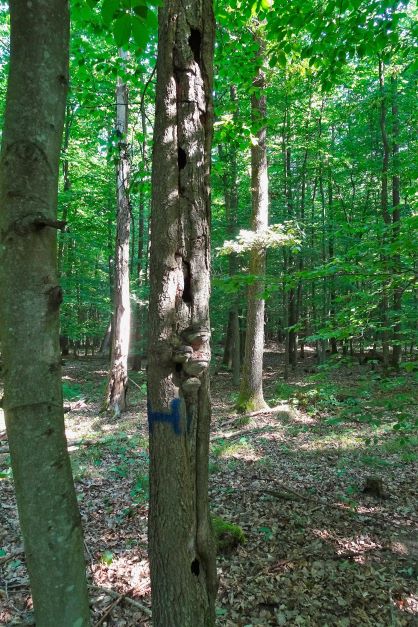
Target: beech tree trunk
{"x": 118, "y": 376}
{"x": 181, "y": 546}
{"x": 251, "y": 392}
{"x": 29, "y": 312}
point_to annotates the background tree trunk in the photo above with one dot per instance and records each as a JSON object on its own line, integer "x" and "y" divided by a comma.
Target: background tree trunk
{"x": 118, "y": 376}
{"x": 251, "y": 391}
{"x": 396, "y": 223}
{"x": 29, "y": 312}
{"x": 182, "y": 557}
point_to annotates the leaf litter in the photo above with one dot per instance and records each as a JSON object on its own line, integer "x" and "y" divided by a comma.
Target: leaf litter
{"x": 318, "y": 552}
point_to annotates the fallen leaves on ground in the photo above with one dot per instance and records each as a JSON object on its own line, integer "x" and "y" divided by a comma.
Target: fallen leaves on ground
{"x": 318, "y": 552}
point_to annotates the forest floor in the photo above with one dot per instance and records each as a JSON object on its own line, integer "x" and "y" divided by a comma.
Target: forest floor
{"x": 319, "y": 551}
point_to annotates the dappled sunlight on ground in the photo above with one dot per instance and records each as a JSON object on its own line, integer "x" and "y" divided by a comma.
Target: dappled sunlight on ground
{"x": 318, "y": 549}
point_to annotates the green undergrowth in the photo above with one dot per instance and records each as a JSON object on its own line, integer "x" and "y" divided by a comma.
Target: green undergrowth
{"x": 358, "y": 409}
{"x": 224, "y": 448}
{"x": 119, "y": 456}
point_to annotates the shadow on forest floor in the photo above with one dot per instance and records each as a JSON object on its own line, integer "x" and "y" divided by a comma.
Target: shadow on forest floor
{"x": 319, "y": 551}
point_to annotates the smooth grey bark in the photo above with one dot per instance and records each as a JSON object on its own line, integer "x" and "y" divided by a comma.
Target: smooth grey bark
{"x": 251, "y": 391}
{"x": 29, "y": 312}
{"x": 117, "y": 387}
{"x": 181, "y": 546}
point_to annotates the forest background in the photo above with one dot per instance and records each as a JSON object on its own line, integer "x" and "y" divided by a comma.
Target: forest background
{"x": 340, "y": 84}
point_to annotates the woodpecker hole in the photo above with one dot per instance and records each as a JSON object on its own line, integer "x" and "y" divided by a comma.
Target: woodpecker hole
{"x": 182, "y": 159}
{"x": 187, "y": 289}
{"x": 195, "y": 567}
{"x": 195, "y": 41}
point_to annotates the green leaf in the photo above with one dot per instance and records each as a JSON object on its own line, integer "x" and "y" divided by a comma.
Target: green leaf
{"x": 141, "y": 11}
{"x": 281, "y": 59}
{"x": 2, "y": 553}
{"x": 122, "y": 30}
{"x": 107, "y": 557}
{"x": 139, "y": 33}
{"x": 109, "y": 9}
{"x": 152, "y": 20}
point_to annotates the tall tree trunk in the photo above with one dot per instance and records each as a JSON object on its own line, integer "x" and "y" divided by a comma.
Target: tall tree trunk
{"x": 29, "y": 312}
{"x": 251, "y": 391}
{"x": 138, "y": 317}
{"x": 384, "y": 205}
{"x": 69, "y": 116}
{"x": 330, "y": 229}
{"x": 182, "y": 556}
{"x": 291, "y": 343}
{"x": 117, "y": 387}
{"x": 396, "y": 223}
{"x": 232, "y": 353}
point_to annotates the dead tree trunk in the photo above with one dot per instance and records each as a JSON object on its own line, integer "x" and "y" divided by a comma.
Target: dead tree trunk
{"x": 182, "y": 557}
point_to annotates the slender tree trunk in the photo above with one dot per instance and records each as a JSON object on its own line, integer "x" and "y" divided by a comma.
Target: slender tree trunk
{"x": 291, "y": 296}
{"x": 138, "y": 321}
{"x": 396, "y": 224}
{"x": 384, "y": 205}
{"x": 117, "y": 388}
{"x": 29, "y": 312}
{"x": 69, "y": 115}
{"x": 182, "y": 555}
{"x": 251, "y": 392}
{"x": 232, "y": 353}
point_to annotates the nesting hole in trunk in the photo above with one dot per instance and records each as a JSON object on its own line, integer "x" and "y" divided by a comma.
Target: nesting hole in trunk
{"x": 195, "y": 42}
{"x": 187, "y": 289}
{"x": 195, "y": 567}
{"x": 182, "y": 158}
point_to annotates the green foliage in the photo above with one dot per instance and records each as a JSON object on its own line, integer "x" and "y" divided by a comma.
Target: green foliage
{"x": 71, "y": 391}
{"x": 107, "y": 557}
{"x": 140, "y": 492}
{"x": 274, "y": 236}
{"x": 225, "y": 448}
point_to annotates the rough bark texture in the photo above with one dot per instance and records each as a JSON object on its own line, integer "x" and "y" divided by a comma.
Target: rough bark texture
{"x": 182, "y": 556}
{"x": 118, "y": 376}
{"x": 251, "y": 391}
{"x": 29, "y": 312}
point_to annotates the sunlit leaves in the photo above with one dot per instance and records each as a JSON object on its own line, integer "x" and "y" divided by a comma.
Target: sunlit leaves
{"x": 273, "y": 236}
{"x": 129, "y": 20}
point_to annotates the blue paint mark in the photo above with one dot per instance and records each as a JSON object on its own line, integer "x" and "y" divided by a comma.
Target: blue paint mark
{"x": 171, "y": 417}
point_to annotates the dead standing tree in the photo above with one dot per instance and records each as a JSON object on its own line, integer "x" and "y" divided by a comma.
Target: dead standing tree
{"x": 182, "y": 556}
